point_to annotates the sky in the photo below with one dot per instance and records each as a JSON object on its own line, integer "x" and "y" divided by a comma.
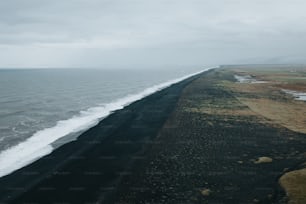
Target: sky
{"x": 143, "y": 33}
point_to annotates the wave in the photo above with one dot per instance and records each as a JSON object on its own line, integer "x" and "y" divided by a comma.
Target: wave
{"x": 39, "y": 144}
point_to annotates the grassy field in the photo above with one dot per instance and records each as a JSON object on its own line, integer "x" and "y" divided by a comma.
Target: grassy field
{"x": 268, "y": 100}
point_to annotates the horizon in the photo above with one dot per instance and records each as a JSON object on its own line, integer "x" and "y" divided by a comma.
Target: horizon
{"x": 119, "y": 68}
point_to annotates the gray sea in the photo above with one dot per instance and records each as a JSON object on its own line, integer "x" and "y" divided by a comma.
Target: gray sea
{"x": 39, "y": 107}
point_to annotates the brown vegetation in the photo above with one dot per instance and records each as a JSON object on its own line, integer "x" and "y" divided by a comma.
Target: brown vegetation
{"x": 268, "y": 100}
{"x": 294, "y": 183}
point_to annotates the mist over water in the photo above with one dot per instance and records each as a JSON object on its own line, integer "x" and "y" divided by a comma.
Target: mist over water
{"x": 39, "y": 107}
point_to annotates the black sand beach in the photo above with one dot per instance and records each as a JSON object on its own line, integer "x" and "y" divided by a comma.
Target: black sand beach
{"x": 194, "y": 142}
{"x": 90, "y": 169}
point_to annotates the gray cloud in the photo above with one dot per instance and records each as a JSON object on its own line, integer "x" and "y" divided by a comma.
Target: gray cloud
{"x": 97, "y": 33}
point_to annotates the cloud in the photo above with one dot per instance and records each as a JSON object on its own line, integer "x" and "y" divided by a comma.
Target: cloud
{"x": 128, "y": 32}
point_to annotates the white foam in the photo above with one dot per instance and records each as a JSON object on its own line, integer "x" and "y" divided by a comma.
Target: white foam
{"x": 39, "y": 144}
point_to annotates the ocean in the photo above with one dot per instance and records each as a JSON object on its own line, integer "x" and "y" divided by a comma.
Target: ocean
{"x": 41, "y": 109}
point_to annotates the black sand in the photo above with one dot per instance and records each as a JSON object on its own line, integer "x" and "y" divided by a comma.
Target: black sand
{"x": 89, "y": 169}
{"x": 197, "y": 151}
{"x": 157, "y": 151}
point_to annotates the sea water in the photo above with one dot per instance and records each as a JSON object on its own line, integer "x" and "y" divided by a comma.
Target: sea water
{"x": 40, "y": 107}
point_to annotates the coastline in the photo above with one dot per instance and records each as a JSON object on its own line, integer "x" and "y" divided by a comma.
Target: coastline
{"x": 96, "y": 160}
{"x": 44, "y": 141}
{"x": 201, "y": 140}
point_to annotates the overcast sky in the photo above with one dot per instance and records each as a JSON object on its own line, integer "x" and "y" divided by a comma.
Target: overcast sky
{"x": 125, "y": 33}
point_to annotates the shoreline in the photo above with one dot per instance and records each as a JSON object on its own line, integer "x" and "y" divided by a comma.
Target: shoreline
{"x": 46, "y": 176}
{"x": 67, "y": 130}
{"x": 201, "y": 140}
